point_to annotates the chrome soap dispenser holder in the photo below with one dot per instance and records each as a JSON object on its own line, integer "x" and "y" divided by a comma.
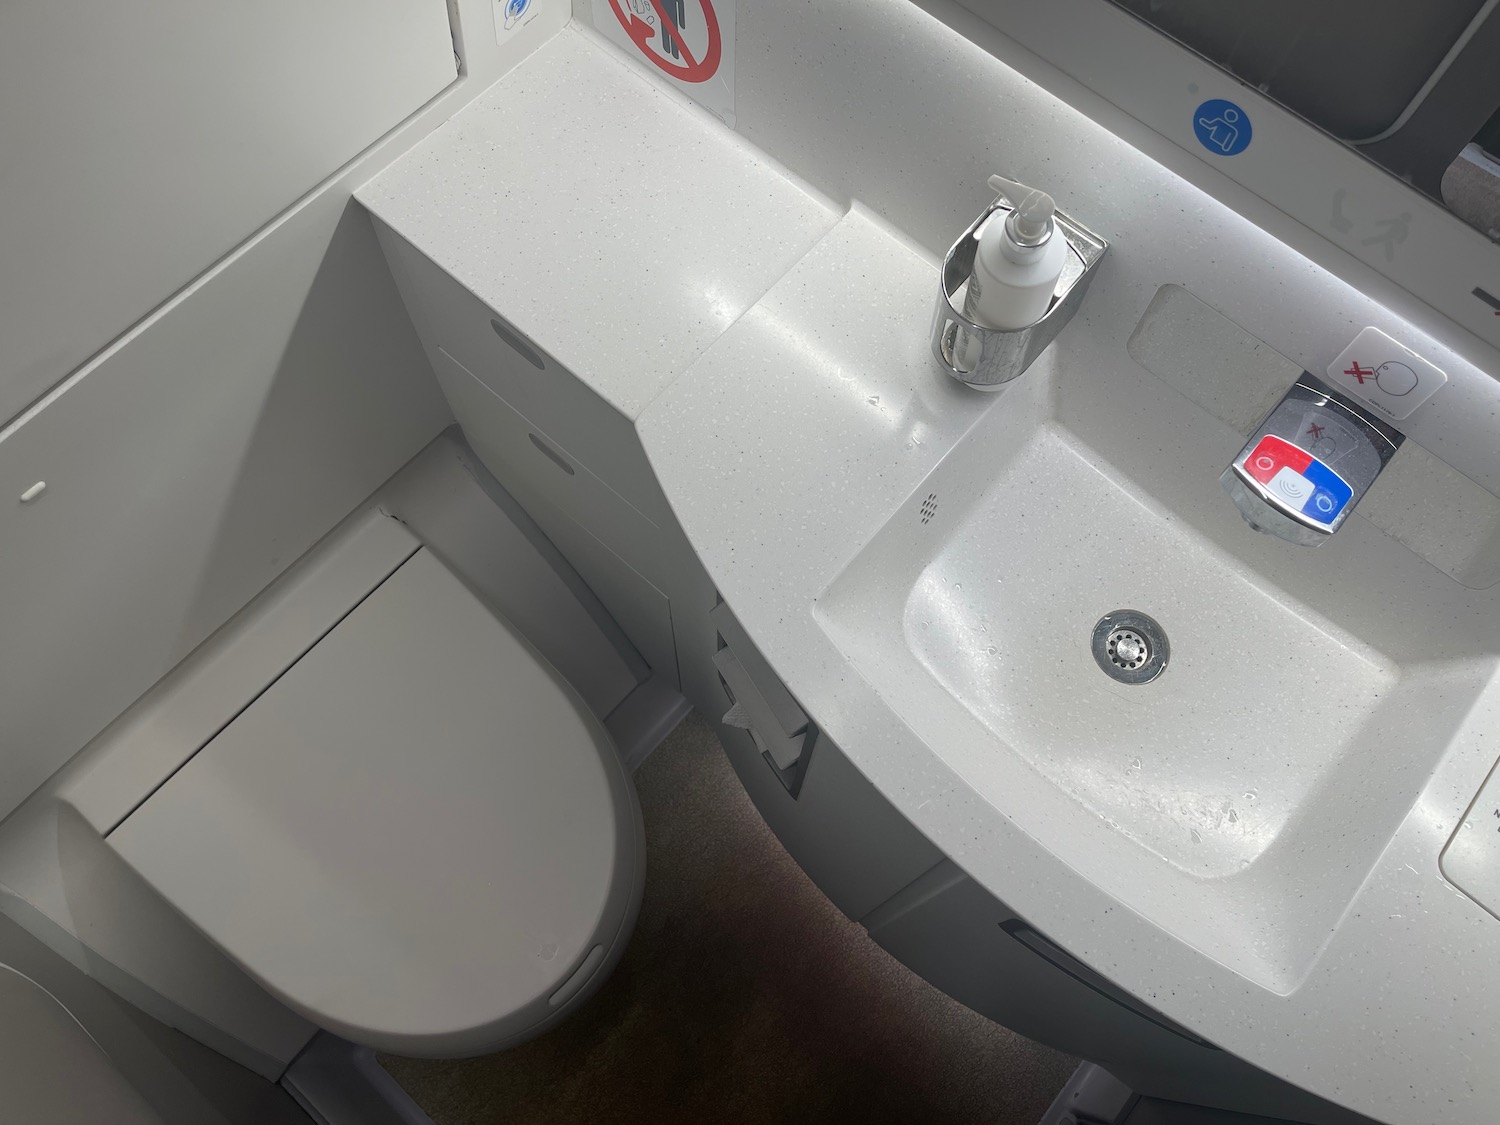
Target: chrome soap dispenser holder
{"x": 1005, "y": 354}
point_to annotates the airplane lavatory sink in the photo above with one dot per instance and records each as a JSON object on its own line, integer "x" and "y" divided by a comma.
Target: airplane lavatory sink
{"x": 1238, "y": 799}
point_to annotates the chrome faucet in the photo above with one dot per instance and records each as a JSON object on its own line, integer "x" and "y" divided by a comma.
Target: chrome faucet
{"x": 1309, "y": 463}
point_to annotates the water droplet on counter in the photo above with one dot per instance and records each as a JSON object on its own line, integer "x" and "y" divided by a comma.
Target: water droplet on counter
{"x": 1197, "y": 839}
{"x": 1135, "y": 763}
{"x": 992, "y": 650}
{"x": 873, "y": 400}
{"x": 1234, "y": 817}
{"x": 1250, "y": 796}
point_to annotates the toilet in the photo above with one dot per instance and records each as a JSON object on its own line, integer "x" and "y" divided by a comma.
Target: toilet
{"x": 418, "y": 837}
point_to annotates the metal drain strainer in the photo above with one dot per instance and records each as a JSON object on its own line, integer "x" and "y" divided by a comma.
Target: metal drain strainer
{"x": 1130, "y": 647}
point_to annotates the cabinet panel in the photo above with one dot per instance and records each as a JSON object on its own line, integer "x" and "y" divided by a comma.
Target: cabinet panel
{"x": 638, "y": 607}
{"x": 449, "y": 317}
{"x": 851, "y": 842}
{"x": 512, "y": 446}
{"x": 949, "y": 930}
{"x": 611, "y": 545}
{"x": 839, "y": 828}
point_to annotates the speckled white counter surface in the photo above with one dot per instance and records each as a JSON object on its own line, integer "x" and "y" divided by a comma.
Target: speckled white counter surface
{"x": 600, "y": 217}
{"x": 776, "y": 362}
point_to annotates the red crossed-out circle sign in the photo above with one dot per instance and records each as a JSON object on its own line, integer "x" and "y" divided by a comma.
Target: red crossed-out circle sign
{"x": 691, "y": 70}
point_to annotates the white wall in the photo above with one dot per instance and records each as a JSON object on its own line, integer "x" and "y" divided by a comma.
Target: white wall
{"x": 218, "y": 439}
{"x": 142, "y": 141}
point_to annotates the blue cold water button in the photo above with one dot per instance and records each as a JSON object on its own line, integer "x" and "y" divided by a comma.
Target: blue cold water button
{"x": 1323, "y": 507}
{"x": 1330, "y": 493}
{"x": 1324, "y": 477}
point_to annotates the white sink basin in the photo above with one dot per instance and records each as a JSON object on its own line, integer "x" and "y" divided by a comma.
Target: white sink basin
{"x": 1240, "y": 799}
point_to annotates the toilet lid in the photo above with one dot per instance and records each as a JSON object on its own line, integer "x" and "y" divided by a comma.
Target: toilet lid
{"x": 413, "y": 837}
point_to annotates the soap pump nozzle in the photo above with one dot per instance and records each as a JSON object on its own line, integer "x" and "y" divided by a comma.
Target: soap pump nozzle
{"x": 1030, "y": 220}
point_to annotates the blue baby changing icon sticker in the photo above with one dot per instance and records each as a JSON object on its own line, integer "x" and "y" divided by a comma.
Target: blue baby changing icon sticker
{"x": 1222, "y": 127}
{"x": 513, "y": 14}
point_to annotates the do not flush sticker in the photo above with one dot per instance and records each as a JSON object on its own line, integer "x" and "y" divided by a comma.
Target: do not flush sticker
{"x": 690, "y": 41}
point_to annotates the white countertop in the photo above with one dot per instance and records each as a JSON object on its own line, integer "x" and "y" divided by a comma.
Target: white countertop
{"x": 574, "y": 194}
{"x": 788, "y": 403}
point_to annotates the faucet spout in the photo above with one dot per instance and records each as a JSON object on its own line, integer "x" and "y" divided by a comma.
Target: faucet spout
{"x": 1309, "y": 463}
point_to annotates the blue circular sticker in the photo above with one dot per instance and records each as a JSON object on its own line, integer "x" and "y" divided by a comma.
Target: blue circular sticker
{"x": 514, "y": 10}
{"x": 1222, "y": 127}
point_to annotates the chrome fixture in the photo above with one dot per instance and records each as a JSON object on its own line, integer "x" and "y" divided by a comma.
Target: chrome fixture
{"x": 1309, "y": 463}
{"x": 1130, "y": 647}
{"x": 988, "y": 358}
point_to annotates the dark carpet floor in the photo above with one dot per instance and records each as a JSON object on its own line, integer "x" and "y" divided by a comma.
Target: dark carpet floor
{"x": 745, "y": 998}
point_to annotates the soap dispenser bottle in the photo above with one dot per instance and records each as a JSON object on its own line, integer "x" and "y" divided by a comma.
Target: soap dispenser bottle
{"x": 1018, "y": 261}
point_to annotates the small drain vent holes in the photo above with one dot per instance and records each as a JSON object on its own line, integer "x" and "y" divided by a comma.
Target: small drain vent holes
{"x": 1130, "y": 647}
{"x": 929, "y": 507}
{"x": 1127, "y": 649}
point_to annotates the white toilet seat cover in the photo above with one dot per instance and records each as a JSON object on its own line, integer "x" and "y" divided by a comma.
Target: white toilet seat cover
{"x": 416, "y": 832}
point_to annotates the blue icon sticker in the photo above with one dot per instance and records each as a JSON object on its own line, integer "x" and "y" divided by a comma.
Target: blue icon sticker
{"x": 514, "y": 10}
{"x": 1222, "y": 127}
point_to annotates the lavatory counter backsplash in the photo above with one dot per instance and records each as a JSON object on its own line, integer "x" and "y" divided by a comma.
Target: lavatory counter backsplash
{"x": 1437, "y": 512}
{"x": 812, "y": 89}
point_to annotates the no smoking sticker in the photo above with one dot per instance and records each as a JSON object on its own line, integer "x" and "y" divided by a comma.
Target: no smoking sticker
{"x": 690, "y": 41}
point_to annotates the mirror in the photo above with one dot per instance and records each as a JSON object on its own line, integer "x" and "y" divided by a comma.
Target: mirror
{"x": 1414, "y": 87}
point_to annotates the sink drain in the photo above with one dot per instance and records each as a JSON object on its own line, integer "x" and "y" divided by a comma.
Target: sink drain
{"x": 1130, "y": 647}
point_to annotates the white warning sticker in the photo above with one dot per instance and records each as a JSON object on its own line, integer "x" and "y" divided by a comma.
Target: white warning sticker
{"x": 690, "y": 41}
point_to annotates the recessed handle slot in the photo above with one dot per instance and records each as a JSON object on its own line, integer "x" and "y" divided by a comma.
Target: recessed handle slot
{"x": 518, "y": 345}
{"x": 1060, "y": 959}
{"x": 553, "y": 455}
